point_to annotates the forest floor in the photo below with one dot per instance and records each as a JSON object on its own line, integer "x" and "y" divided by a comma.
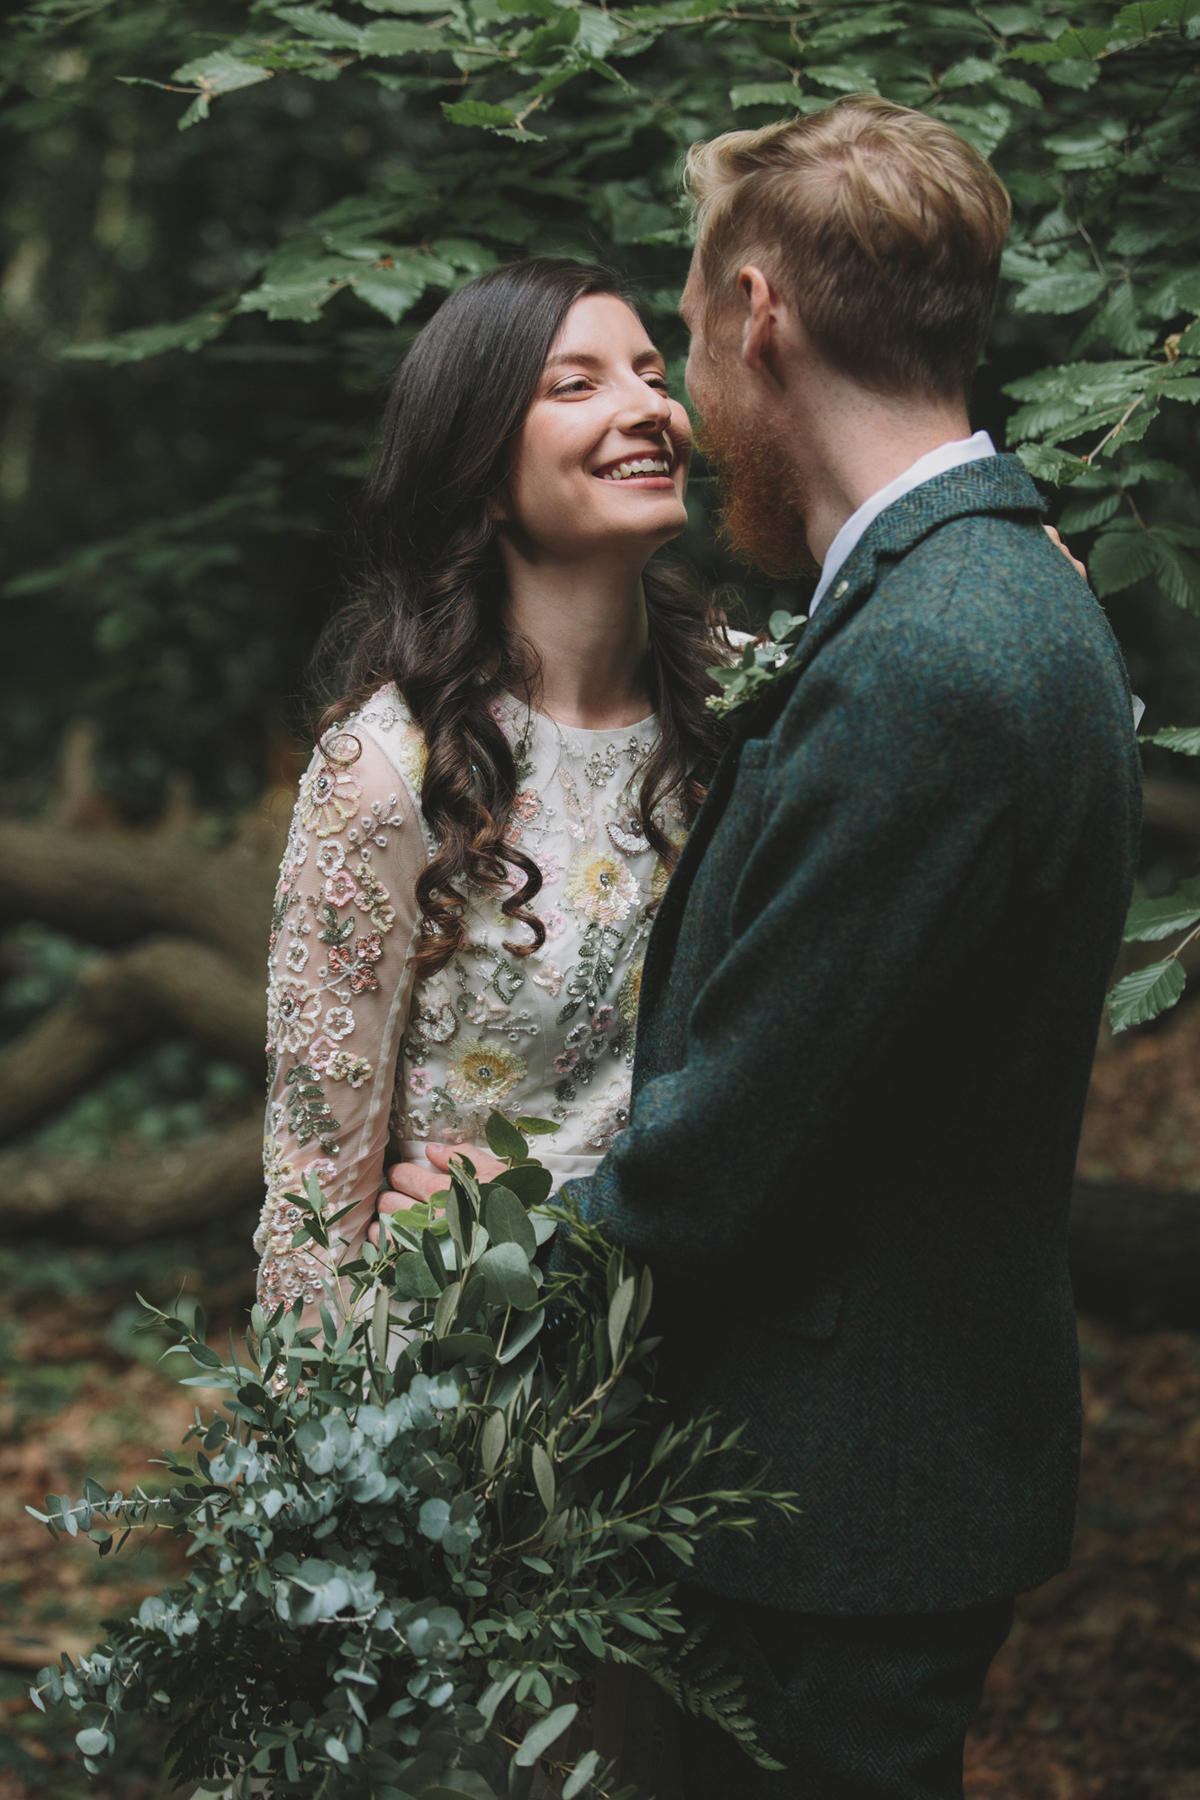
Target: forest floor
{"x": 1093, "y": 1698}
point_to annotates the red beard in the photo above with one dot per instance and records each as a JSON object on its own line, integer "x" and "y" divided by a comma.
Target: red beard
{"x": 761, "y": 499}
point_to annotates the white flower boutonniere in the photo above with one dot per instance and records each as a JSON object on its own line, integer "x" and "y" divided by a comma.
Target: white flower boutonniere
{"x": 760, "y": 663}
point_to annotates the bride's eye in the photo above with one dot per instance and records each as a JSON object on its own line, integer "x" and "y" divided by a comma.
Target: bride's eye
{"x": 578, "y": 384}
{"x": 659, "y": 382}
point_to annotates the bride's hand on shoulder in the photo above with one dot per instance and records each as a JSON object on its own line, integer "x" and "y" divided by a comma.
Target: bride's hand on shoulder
{"x": 1073, "y": 560}
{"x": 412, "y": 1184}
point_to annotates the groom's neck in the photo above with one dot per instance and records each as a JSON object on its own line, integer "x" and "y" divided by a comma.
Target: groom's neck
{"x": 845, "y": 443}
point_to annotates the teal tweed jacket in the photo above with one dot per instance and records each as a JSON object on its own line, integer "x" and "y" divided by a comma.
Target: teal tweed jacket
{"x": 868, "y": 1014}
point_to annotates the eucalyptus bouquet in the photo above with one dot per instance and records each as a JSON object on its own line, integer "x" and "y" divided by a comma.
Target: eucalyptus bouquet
{"x": 414, "y": 1531}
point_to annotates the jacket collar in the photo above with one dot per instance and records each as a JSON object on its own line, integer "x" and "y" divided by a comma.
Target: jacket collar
{"x": 997, "y": 485}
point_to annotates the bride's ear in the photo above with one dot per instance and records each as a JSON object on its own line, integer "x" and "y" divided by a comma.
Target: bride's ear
{"x": 497, "y": 507}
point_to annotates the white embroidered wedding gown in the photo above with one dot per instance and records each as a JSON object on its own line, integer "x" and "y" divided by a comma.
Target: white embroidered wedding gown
{"x": 362, "y": 1055}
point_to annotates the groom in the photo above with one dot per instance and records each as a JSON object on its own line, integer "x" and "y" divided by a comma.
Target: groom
{"x": 871, "y": 996}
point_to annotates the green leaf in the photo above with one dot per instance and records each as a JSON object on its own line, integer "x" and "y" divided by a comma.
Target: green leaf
{"x": 1119, "y": 558}
{"x": 1150, "y": 920}
{"x": 967, "y": 73}
{"x": 220, "y": 73}
{"x": 397, "y": 39}
{"x": 1184, "y": 739}
{"x": 530, "y": 1182}
{"x": 543, "y": 1477}
{"x": 504, "y": 1140}
{"x": 524, "y": 1334}
{"x": 1046, "y": 464}
{"x": 1178, "y": 575}
{"x": 545, "y": 1732}
{"x": 491, "y": 1440}
{"x": 505, "y": 1268}
{"x": 477, "y": 112}
{"x": 447, "y": 1306}
{"x": 507, "y": 1221}
{"x": 91, "y": 1742}
{"x": 581, "y": 1775}
{"x": 781, "y": 95}
{"x": 1084, "y": 515}
{"x": 151, "y": 340}
{"x": 393, "y": 292}
{"x": 1146, "y": 993}
{"x": 1061, "y": 293}
{"x": 414, "y": 1279}
{"x": 618, "y": 1314}
{"x": 1071, "y": 44}
{"x": 537, "y": 1127}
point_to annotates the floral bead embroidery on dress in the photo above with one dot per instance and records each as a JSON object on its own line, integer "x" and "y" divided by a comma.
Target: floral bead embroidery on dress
{"x": 357, "y": 1046}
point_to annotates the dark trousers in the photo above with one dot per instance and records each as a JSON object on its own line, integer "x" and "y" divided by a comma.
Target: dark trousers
{"x": 855, "y": 1708}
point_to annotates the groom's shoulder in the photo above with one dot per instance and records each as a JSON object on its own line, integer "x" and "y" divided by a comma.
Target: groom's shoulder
{"x": 986, "y": 600}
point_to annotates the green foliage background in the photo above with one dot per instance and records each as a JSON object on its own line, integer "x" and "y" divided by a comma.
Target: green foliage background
{"x": 197, "y": 323}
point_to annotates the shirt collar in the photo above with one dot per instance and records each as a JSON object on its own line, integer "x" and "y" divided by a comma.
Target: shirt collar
{"x": 934, "y": 462}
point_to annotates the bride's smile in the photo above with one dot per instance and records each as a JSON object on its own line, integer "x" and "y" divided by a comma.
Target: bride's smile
{"x": 601, "y": 464}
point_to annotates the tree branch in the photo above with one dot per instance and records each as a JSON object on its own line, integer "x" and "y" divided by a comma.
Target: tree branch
{"x": 124, "y": 1001}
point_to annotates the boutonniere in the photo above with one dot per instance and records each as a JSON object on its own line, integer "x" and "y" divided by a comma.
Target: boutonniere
{"x": 760, "y": 663}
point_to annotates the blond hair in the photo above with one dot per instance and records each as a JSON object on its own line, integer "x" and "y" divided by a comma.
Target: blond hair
{"x": 881, "y": 225}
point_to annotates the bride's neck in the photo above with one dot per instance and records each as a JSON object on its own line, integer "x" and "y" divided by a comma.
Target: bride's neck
{"x": 587, "y": 625}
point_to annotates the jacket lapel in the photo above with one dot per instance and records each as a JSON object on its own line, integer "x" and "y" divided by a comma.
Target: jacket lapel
{"x": 995, "y": 484}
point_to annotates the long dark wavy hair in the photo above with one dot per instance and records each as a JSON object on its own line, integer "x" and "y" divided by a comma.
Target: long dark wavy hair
{"x": 431, "y": 609}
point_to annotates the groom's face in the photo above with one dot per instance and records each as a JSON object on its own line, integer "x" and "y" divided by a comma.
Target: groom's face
{"x": 762, "y": 499}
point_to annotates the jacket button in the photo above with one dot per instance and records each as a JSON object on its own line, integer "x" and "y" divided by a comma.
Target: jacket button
{"x": 840, "y": 589}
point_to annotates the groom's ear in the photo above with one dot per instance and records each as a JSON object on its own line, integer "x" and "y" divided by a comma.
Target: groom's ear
{"x": 762, "y": 323}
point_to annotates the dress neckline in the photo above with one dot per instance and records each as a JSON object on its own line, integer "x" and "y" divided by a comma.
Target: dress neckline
{"x": 520, "y": 716}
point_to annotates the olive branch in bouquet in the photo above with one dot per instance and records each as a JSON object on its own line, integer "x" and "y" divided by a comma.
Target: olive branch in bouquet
{"x": 414, "y": 1530}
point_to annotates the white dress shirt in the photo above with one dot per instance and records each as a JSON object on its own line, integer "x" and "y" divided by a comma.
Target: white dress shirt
{"x": 934, "y": 462}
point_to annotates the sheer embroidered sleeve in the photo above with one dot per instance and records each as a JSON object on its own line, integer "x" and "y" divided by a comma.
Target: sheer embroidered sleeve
{"x": 339, "y": 989}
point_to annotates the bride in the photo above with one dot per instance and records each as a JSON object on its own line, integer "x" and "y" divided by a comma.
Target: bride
{"x": 495, "y": 804}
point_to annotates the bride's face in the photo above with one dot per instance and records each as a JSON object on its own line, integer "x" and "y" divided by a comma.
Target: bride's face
{"x": 604, "y": 450}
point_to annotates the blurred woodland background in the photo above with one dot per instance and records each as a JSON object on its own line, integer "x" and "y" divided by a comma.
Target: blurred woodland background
{"x": 195, "y": 327}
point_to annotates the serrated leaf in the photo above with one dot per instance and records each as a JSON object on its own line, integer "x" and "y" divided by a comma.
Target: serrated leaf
{"x": 1178, "y": 575}
{"x": 1046, "y": 464}
{"x": 151, "y": 340}
{"x": 477, "y": 112}
{"x": 220, "y": 73}
{"x": 543, "y": 1733}
{"x": 1061, "y": 293}
{"x": 1146, "y": 993}
{"x": 1119, "y": 558}
{"x": 1084, "y": 515}
{"x": 1149, "y": 920}
{"x": 780, "y": 94}
{"x": 393, "y": 292}
{"x": 1183, "y": 739}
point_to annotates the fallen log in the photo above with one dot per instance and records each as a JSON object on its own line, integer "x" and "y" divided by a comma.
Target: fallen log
{"x": 167, "y": 986}
{"x": 169, "y": 1192}
{"x": 112, "y": 888}
{"x": 1135, "y": 1254}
